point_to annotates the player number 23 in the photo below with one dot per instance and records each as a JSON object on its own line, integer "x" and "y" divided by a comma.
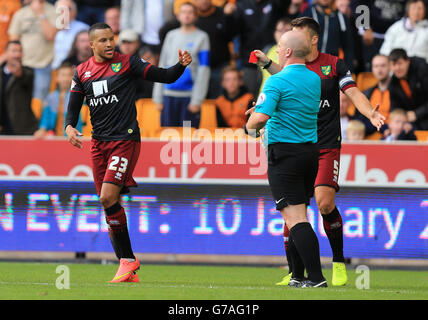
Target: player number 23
{"x": 115, "y": 161}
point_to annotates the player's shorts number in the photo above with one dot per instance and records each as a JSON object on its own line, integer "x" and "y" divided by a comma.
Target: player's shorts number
{"x": 336, "y": 171}
{"x": 123, "y": 164}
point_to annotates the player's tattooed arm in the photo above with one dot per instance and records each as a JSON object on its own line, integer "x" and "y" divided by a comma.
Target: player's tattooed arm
{"x": 170, "y": 75}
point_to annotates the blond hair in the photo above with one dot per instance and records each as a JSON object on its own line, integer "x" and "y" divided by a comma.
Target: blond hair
{"x": 356, "y": 125}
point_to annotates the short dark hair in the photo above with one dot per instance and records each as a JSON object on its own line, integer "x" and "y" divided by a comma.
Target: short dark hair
{"x": 398, "y": 54}
{"x": 13, "y": 42}
{"x": 310, "y": 23}
{"x": 98, "y": 26}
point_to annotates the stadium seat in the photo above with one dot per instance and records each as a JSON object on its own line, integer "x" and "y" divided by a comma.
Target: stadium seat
{"x": 366, "y": 80}
{"x": 37, "y": 107}
{"x": 422, "y": 135}
{"x": 374, "y": 136}
{"x": 208, "y": 114}
{"x": 86, "y": 119}
{"x": 174, "y": 133}
{"x": 148, "y": 117}
{"x": 220, "y": 134}
{"x": 53, "y": 81}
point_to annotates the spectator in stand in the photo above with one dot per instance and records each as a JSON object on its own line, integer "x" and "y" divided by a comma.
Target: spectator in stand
{"x": 409, "y": 87}
{"x": 35, "y": 26}
{"x": 128, "y": 42}
{"x": 213, "y": 21}
{"x": 65, "y": 37}
{"x": 7, "y": 10}
{"x": 54, "y": 111}
{"x": 409, "y": 33}
{"x": 92, "y": 11}
{"x": 112, "y": 18}
{"x": 296, "y": 8}
{"x": 355, "y": 131}
{"x": 16, "y": 86}
{"x": 146, "y": 18}
{"x": 182, "y": 100}
{"x": 282, "y": 26}
{"x": 345, "y": 118}
{"x": 383, "y": 13}
{"x": 254, "y": 21}
{"x": 80, "y": 50}
{"x": 235, "y": 101}
{"x": 399, "y": 128}
{"x": 379, "y": 94}
{"x": 336, "y": 30}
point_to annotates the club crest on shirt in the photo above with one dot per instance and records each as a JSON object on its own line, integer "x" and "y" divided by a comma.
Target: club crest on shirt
{"x": 116, "y": 66}
{"x": 326, "y": 70}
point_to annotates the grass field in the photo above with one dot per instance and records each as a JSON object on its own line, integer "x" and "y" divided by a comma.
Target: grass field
{"x": 171, "y": 282}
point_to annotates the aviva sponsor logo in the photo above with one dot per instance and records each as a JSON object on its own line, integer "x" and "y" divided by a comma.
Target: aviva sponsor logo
{"x": 103, "y": 100}
{"x": 100, "y": 88}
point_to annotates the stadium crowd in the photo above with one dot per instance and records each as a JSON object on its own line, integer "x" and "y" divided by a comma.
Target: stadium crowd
{"x": 42, "y": 41}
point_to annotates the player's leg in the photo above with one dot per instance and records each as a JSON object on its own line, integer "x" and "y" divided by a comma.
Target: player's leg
{"x": 332, "y": 220}
{"x": 99, "y": 167}
{"x": 122, "y": 158}
{"x": 333, "y": 226}
{"x": 116, "y": 220}
{"x": 286, "y": 280}
{"x": 326, "y": 186}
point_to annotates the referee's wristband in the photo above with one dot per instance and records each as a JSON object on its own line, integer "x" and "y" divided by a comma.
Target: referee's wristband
{"x": 256, "y": 135}
{"x": 267, "y": 66}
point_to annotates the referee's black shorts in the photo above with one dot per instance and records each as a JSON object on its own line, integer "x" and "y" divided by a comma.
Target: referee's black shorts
{"x": 292, "y": 169}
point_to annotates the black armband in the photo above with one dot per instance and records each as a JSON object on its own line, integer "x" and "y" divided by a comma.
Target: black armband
{"x": 253, "y": 133}
{"x": 267, "y": 66}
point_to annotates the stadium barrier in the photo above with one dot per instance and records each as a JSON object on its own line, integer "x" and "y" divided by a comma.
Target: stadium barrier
{"x": 205, "y": 201}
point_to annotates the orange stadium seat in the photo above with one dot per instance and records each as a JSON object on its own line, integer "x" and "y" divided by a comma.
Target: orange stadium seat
{"x": 422, "y": 135}
{"x": 174, "y": 133}
{"x": 366, "y": 80}
{"x": 374, "y": 136}
{"x": 208, "y": 115}
{"x": 37, "y": 107}
{"x": 148, "y": 117}
{"x": 86, "y": 119}
{"x": 53, "y": 81}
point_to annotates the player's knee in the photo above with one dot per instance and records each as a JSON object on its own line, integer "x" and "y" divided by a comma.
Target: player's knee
{"x": 325, "y": 206}
{"x": 107, "y": 201}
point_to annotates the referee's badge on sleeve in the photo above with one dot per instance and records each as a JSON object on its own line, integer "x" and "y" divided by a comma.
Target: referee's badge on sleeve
{"x": 261, "y": 99}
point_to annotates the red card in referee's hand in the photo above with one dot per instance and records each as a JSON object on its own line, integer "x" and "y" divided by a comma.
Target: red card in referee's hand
{"x": 253, "y": 58}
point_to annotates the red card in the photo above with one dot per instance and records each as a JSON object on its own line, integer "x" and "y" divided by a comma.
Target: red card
{"x": 253, "y": 58}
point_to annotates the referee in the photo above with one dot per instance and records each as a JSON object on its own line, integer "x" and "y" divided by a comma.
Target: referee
{"x": 289, "y": 106}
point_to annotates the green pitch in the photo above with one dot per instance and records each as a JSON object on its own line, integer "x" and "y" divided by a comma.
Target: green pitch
{"x": 159, "y": 282}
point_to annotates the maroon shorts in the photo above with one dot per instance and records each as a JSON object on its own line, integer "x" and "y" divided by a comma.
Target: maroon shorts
{"x": 114, "y": 162}
{"x": 328, "y": 168}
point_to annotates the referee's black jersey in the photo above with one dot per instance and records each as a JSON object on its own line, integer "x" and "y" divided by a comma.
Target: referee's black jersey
{"x": 109, "y": 88}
